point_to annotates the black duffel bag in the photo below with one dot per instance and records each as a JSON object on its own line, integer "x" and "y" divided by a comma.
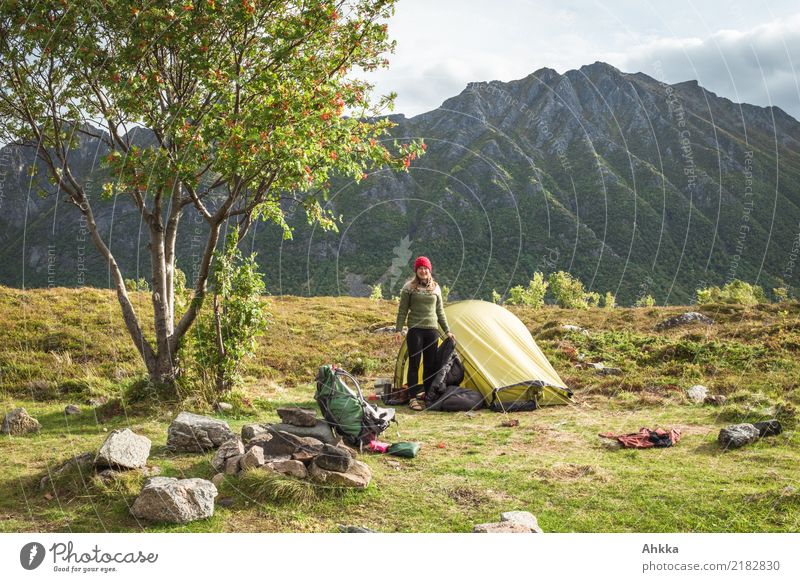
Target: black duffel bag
{"x": 458, "y": 399}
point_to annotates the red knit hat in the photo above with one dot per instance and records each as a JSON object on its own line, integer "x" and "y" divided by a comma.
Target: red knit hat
{"x": 422, "y": 262}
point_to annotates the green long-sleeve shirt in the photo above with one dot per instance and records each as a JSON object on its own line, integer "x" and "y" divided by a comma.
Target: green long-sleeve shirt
{"x": 424, "y": 309}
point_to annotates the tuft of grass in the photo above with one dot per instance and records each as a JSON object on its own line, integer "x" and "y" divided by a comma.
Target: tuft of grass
{"x": 267, "y": 486}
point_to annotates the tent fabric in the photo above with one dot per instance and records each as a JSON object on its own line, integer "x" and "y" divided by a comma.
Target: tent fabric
{"x": 501, "y": 359}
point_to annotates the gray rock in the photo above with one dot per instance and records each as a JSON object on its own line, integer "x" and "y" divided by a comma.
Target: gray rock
{"x": 281, "y": 443}
{"x": 574, "y": 328}
{"x": 218, "y": 479}
{"x": 737, "y": 435}
{"x": 193, "y": 433}
{"x": 501, "y": 527}
{"x": 298, "y": 416}
{"x": 524, "y": 518}
{"x": 250, "y": 431}
{"x": 321, "y": 431}
{"x": 276, "y": 459}
{"x": 355, "y": 529}
{"x": 83, "y": 463}
{"x": 252, "y": 459}
{"x": 71, "y": 410}
{"x": 223, "y": 407}
{"x": 18, "y": 422}
{"x": 334, "y": 459}
{"x": 230, "y": 448}
{"x": 123, "y": 449}
{"x": 697, "y": 393}
{"x": 358, "y": 476}
{"x": 768, "y": 428}
{"x": 166, "y": 499}
{"x": 288, "y": 467}
{"x": 609, "y": 371}
{"x": 716, "y": 400}
{"x": 684, "y": 319}
{"x": 232, "y": 465}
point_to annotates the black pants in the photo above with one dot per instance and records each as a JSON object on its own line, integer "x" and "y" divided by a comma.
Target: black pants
{"x": 422, "y": 343}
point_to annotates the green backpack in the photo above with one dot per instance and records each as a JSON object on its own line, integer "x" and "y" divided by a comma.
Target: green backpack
{"x": 349, "y": 414}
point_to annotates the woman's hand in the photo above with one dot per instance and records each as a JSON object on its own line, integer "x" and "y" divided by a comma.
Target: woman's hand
{"x": 451, "y": 335}
{"x": 398, "y": 336}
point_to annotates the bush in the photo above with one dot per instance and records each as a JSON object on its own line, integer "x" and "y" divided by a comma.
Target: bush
{"x": 532, "y": 296}
{"x": 133, "y": 285}
{"x": 609, "y": 300}
{"x": 568, "y": 291}
{"x": 496, "y": 297}
{"x": 645, "y": 301}
{"x": 738, "y": 292}
{"x": 781, "y": 294}
{"x": 226, "y": 335}
{"x": 377, "y": 293}
{"x": 445, "y": 293}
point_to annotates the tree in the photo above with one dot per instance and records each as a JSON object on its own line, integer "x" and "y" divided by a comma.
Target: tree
{"x": 568, "y": 291}
{"x": 533, "y": 295}
{"x": 244, "y": 101}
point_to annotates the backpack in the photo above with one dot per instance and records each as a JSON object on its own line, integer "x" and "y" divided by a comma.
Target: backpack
{"x": 346, "y": 411}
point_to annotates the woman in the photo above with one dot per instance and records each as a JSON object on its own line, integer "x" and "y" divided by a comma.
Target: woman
{"x": 421, "y": 302}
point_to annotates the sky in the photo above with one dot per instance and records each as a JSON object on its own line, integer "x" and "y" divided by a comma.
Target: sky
{"x": 747, "y": 51}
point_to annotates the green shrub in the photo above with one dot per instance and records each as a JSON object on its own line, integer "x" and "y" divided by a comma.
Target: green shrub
{"x": 133, "y": 285}
{"x": 532, "y": 296}
{"x": 445, "y": 293}
{"x": 377, "y": 292}
{"x": 736, "y": 292}
{"x": 645, "y": 301}
{"x": 609, "y": 300}
{"x": 496, "y": 297}
{"x": 568, "y": 291}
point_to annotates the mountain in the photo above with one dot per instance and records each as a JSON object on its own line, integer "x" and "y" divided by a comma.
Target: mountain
{"x": 633, "y": 185}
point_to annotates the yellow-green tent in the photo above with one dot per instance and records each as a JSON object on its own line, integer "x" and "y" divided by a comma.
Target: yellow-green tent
{"x": 501, "y": 359}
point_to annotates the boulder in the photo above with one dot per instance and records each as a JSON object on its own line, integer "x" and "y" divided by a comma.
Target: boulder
{"x": 19, "y": 422}
{"x": 768, "y": 428}
{"x": 218, "y": 479}
{"x": 333, "y": 458}
{"x": 737, "y": 435}
{"x": 320, "y": 431}
{"x": 123, "y": 449}
{"x": 71, "y": 410}
{"x": 230, "y": 448}
{"x": 250, "y": 431}
{"x": 288, "y": 467}
{"x": 166, "y": 499}
{"x": 358, "y": 476}
{"x": 193, "y": 433}
{"x": 501, "y": 527}
{"x": 83, "y": 463}
{"x": 524, "y": 518}
{"x": 697, "y": 393}
{"x": 684, "y": 319}
{"x": 223, "y": 407}
{"x": 298, "y": 416}
{"x": 252, "y": 459}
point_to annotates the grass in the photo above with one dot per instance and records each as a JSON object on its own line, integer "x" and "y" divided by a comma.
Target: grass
{"x": 68, "y": 346}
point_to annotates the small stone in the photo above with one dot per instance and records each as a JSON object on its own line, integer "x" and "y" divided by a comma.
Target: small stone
{"x": 218, "y": 479}
{"x": 230, "y": 448}
{"x": 737, "y": 435}
{"x": 768, "y": 428}
{"x": 355, "y": 529}
{"x": 276, "y": 459}
{"x": 501, "y": 527}
{"x": 303, "y": 456}
{"x": 320, "y": 431}
{"x": 250, "y": 431}
{"x": 716, "y": 400}
{"x": 19, "y": 422}
{"x": 223, "y": 407}
{"x": 281, "y": 443}
{"x": 83, "y": 462}
{"x": 357, "y": 477}
{"x": 166, "y": 499}
{"x": 298, "y": 416}
{"x": 252, "y": 459}
{"x": 289, "y": 467}
{"x": 574, "y": 328}
{"x": 71, "y": 410}
{"x": 697, "y": 393}
{"x": 604, "y": 371}
{"x": 524, "y": 518}
{"x": 226, "y": 502}
{"x": 151, "y": 471}
{"x": 334, "y": 459}
{"x": 232, "y": 464}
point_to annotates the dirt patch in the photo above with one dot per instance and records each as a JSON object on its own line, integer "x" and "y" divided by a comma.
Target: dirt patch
{"x": 466, "y": 497}
{"x": 572, "y": 472}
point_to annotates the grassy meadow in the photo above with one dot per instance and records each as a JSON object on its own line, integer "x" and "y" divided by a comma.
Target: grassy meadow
{"x": 69, "y": 346}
